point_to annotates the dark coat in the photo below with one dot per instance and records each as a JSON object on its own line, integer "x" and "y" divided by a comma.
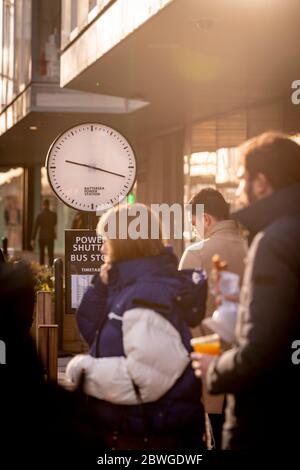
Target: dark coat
{"x": 258, "y": 373}
{"x": 154, "y": 283}
{"x": 34, "y": 412}
{"x": 45, "y": 223}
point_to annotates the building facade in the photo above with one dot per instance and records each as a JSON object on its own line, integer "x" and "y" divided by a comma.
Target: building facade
{"x": 213, "y": 74}
{"x": 35, "y": 109}
{"x": 185, "y": 81}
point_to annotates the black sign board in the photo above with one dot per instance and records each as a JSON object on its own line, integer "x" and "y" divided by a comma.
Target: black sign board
{"x": 82, "y": 261}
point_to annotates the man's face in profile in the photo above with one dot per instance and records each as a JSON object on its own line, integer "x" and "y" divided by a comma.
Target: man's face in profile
{"x": 257, "y": 187}
{"x": 249, "y": 190}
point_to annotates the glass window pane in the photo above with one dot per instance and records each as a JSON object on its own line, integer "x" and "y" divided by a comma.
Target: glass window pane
{"x": 11, "y": 203}
{"x": 22, "y": 44}
{"x": 74, "y": 19}
{"x": 65, "y": 215}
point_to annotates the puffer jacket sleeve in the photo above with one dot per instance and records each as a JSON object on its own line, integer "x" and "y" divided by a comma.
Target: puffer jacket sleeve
{"x": 267, "y": 317}
{"x": 91, "y": 311}
{"x": 105, "y": 378}
{"x": 155, "y": 359}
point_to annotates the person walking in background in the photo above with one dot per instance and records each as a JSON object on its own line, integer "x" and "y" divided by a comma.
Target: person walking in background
{"x": 258, "y": 373}
{"x": 221, "y": 238}
{"x": 45, "y": 224}
{"x": 136, "y": 320}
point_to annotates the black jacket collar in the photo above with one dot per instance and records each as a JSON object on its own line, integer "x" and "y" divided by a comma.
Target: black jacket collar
{"x": 262, "y": 213}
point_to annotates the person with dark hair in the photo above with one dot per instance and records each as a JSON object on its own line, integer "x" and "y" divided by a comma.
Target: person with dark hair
{"x": 214, "y": 202}
{"x": 45, "y": 223}
{"x": 271, "y": 163}
{"x": 38, "y": 419}
{"x": 221, "y": 238}
{"x": 258, "y": 373}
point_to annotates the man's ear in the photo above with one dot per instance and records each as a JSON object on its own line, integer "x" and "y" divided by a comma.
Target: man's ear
{"x": 261, "y": 186}
{"x": 198, "y": 225}
{"x": 207, "y": 219}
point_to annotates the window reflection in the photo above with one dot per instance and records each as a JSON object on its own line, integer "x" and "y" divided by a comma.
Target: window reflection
{"x": 213, "y": 169}
{"x": 15, "y": 48}
{"x": 11, "y": 203}
{"x": 65, "y": 215}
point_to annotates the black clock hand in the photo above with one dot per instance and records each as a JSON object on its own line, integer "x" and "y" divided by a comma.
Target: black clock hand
{"x": 95, "y": 168}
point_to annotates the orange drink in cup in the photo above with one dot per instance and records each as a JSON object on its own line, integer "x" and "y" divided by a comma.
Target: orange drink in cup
{"x": 209, "y": 344}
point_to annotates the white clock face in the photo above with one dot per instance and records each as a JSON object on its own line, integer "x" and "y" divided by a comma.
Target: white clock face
{"x": 91, "y": 167}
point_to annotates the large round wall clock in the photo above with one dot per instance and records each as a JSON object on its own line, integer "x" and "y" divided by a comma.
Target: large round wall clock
{"x": 91, "y": 167}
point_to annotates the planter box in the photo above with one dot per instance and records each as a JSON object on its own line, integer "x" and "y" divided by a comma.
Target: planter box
{"x": 72, "y": 340}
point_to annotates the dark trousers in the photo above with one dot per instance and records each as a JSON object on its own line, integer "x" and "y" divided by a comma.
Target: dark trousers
{"x": 49, "y": 244}
{"x": 216, "y": 421}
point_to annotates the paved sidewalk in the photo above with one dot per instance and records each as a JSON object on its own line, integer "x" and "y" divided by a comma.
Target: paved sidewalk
{"x": 61, "y": 373}
{"x": 62, "y": 363}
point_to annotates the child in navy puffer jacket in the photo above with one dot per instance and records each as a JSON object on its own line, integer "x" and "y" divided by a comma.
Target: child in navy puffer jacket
{"x": 136, "y": 318}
